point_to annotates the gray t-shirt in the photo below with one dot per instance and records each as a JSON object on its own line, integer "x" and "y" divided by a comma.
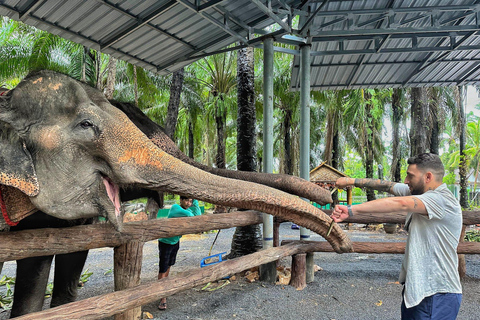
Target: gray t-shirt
{"x": 430, "y": 264}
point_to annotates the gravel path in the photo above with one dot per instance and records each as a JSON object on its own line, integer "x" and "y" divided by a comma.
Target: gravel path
{"x": 349, "y": 286}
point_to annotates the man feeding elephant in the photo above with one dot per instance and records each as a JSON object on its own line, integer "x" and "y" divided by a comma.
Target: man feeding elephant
{"x": 429, "y": 273}
{"x": 168, "y": 247}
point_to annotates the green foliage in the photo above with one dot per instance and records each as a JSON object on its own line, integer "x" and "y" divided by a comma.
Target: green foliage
{"x": 472, "y": 236}
{"x": 6, "y": 296}
{"x": 84, "y": 277}
{"x": 49, "y": 290}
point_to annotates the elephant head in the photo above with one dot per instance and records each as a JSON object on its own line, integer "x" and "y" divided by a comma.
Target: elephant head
{"x": 66, "y": 147}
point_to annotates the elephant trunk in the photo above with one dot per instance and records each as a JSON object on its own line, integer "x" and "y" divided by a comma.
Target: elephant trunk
{"x": 147, "y": 166}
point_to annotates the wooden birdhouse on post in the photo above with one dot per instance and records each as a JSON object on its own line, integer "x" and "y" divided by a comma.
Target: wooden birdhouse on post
{"x": 326, "y": 176}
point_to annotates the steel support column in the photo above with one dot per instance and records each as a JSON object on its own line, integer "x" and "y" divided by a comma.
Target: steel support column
{"x": 268, "y": 131}
{"x": 305, "y": 121}
{"x": 268, "y": 272}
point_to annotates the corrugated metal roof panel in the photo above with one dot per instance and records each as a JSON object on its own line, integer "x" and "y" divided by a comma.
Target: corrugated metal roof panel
{"x": 393, "y": 43}
{"x": 354, "y": 43}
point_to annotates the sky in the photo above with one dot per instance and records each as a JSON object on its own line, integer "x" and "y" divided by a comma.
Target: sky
{"x": 472, "y": 100}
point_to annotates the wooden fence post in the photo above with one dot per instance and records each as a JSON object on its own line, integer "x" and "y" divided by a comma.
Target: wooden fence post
{"x": 127, "y": 269}
{"x": 299, "y": 270}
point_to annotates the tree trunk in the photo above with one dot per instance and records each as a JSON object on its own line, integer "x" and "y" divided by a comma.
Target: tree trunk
{"x": 112, "y": 72}
{"x": 336, "y": 150}
{"x": 191, "y": 142}
{"x": 220, "y": 120}
{"x": 335, "y": 159}
{"x": 419, "y": 126}
{"x": 369, "y": 156}
{"x": 98, "y": 69}
{"x": 247, "y": 239}
{"x": 397, "y": 111}
{"x": 287, "y": 126}
{"x": 174, "y": 103}
{"x": 369, "y": 174}
{"x": 135, "y": 85}
{"x": 463, "y": 165}
{"x": 463, "y": 173}
{"x": 434, "y": 107}
{"x": 84, "y": 64}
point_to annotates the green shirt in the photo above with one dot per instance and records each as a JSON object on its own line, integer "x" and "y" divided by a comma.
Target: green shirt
{"x": 176, "y": 211}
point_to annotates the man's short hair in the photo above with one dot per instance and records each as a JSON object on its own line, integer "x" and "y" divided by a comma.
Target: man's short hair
{"x": 184, "y": 198}
{"x": 429, "y": 162}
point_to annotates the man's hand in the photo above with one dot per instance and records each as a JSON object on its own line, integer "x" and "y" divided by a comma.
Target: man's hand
{"x": 344, "y": 182}
{"x": 340, "y": 213}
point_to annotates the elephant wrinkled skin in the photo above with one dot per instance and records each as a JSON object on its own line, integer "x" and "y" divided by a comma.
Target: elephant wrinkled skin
{"x": 70, "y": 151}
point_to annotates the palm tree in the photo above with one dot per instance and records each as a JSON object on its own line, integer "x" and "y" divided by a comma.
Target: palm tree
{"x": 334, "y": 108}
{"x": 398, "y": 117}
{"x": 246, "y": 239}
{"x": 220, "y": 78}
{"x": 174, "y": 102}
{"x": 286, "y": 108}
{"x": 419, "y": 116}
{"x": 364, "y": 113}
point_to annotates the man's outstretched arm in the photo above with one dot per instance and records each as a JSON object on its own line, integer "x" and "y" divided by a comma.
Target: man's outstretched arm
{"x": 385, "y": 205}
{"x": 375, "y": 184}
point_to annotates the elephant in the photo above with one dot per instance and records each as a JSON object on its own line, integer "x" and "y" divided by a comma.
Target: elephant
{"x": 66, "y": 152}
{"x": 288, "y": 183}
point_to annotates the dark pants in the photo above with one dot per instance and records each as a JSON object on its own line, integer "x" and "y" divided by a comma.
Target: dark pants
{"x": 167, "y": 255}
{"x": 440, "y": 306}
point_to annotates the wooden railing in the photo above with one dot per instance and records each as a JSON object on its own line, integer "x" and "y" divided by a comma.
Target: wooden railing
{"x": 41, "y": 242}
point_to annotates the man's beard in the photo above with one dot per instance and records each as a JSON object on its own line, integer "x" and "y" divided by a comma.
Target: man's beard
{"x": 418, "y": 189}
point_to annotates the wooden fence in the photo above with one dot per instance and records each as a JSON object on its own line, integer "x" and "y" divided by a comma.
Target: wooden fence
{"x": 40, "y": 242}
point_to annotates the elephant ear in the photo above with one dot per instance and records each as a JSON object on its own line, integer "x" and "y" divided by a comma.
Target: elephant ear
{"x": 16, "y": 165}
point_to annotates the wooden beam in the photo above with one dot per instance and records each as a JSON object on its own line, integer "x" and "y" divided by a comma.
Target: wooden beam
{"x": 469, "y": 217}
{"x": 379, "y": 247}
{"x": 106, "y": 305}
{"x": 41, "y": 242}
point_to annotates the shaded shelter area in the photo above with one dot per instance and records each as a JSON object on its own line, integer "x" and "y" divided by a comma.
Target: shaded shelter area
{"x": 342, "y": 44}
{"x": 354, "y": 43}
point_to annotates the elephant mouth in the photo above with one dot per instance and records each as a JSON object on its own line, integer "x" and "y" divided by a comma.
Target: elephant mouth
{"x": 113, "y": 192}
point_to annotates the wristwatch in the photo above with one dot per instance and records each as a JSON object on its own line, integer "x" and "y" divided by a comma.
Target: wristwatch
{"x": 349, "y": 208}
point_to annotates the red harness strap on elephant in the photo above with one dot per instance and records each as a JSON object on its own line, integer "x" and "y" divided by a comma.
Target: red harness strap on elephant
{"x": 3, "y": 208}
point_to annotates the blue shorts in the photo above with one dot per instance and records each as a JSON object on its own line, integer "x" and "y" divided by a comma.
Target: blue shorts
{"x": 440, "y": 306}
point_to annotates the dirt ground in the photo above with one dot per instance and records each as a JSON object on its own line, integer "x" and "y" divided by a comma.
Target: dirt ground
{"x": 348, "y": 286}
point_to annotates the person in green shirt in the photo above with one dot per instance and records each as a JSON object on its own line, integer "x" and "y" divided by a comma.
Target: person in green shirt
{"x": 168, "y": 247}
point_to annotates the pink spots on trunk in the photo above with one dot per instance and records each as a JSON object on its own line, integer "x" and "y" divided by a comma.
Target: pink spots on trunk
{"x": 55, "y": 86}
{"x": 141, "y": 157}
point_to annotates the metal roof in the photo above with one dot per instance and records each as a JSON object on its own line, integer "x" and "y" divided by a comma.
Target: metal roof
{"x": 393, "y": 43}
{"x": 355, "y": 43}
{"x": 158, "y": 35}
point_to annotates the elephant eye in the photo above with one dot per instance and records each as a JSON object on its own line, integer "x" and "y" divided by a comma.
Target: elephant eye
{"x": 85, "y": 124}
